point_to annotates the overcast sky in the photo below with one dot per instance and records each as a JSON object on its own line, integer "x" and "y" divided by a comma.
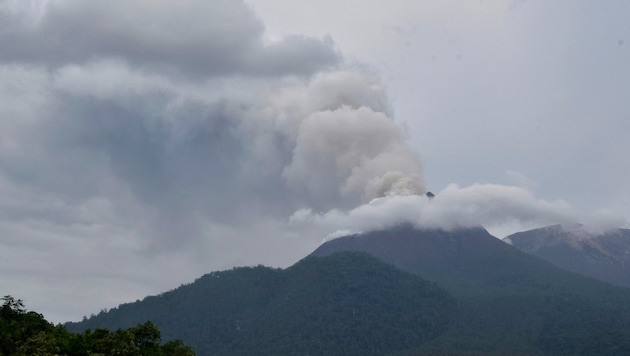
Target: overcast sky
{"x": 145, "y": 143}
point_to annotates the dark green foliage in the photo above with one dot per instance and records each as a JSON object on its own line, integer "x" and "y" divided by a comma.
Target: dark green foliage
{"x": 206, "y": 314}
{"x": 509, "y": 302}
{"x": 479, "y": 296}
{"x": 25, "y": 333}
{"x": 347, "y": 303}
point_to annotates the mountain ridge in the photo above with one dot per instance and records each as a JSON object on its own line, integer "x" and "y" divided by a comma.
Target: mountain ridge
{"x": 414, "y": 292}
{"x": 458, "y": 254}
{"x": 602, "y": 255}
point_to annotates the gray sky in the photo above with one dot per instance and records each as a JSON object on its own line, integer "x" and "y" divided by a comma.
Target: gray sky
{"x": 143, "y": 144}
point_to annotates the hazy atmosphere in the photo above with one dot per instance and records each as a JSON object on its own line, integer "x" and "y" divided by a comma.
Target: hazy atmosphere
{"x": 145, "y": 143}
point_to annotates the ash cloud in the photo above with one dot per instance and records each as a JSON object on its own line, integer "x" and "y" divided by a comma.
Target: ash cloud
{"x": 358, "y": 154}
{"x": 191, "y": 37}
{"x": 138, "y": 130}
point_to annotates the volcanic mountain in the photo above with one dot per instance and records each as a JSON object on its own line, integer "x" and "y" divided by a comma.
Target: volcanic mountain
{"x": 400, "y": 290}
{"x": 467, "y": 262}
{"x": 605, "y": 256}
{"x": 501, "y": 290}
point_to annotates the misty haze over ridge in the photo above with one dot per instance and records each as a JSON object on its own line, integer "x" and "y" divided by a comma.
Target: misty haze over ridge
{"x": 137, "y": 153}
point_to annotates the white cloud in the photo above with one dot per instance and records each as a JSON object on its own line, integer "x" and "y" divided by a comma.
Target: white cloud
{"x": 501, "y": 209}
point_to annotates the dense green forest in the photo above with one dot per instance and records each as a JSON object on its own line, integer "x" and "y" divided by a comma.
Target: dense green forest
{"x": 508, "y": 300}
{"x": 27, "y": 333}
{"x": 349, "y": 303}
{"x": 463, "y": 293}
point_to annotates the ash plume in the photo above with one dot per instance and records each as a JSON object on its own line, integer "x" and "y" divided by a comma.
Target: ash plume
{"x": 176, "y": 133}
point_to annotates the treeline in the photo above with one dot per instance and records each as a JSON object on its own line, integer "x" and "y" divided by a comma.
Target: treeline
{"x": 27, "y": 333}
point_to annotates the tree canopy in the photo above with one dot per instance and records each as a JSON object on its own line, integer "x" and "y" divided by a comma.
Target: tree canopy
{"x": 25, "y": 333}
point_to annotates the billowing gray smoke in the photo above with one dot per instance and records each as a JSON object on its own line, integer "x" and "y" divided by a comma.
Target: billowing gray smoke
{"x": 175, "y": 124}
{"x": 132, "y": 129}
{"x": 349, "y": 151}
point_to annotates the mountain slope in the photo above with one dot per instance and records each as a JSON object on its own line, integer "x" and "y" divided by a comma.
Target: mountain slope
{"x": 468, "y": 262}
{"x": 347, "y": 303}
{"x": 506, "y": 297}
{"x": 604, "y": 256}
{"x": 471, "y": 294}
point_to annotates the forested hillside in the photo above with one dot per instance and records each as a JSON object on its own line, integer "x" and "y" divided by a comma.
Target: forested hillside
{"x": 463, "y": 292}
{"x": 508, "y": 300}
{"x": 348, "y": 303}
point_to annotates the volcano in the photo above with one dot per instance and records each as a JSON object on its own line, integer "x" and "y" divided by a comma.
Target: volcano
{"x": 400, "y": 290}
{"x": 468, "y": 262}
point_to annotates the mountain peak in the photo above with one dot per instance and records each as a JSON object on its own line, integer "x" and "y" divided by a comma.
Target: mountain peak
{"x": 603, "y": 255}
{"x": 465, "y": 261}
{"x": 571, "y": 234}
{"x": 467, "y": 293}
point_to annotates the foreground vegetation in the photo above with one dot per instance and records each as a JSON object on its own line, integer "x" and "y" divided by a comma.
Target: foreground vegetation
{"x": 27, "y": 333}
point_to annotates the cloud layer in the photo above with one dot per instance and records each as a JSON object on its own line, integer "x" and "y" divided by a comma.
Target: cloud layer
{"x": 191, "y": 37}
{"x": 500, "y": 208}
